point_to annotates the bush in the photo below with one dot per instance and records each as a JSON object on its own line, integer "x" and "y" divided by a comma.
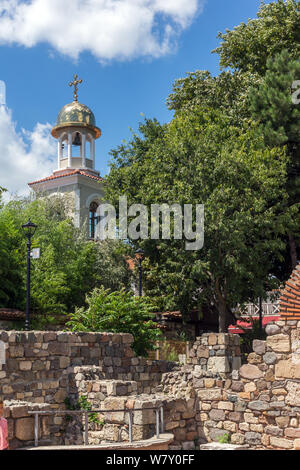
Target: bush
{"x": 118, "y": 312}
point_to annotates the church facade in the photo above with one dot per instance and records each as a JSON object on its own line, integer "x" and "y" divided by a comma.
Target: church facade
{"x": 76, "y": 176}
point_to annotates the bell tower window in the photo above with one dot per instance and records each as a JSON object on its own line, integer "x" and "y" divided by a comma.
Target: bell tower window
{"x": 93, "y": 220}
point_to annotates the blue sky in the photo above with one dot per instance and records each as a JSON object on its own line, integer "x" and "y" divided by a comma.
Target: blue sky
{"x": 124, "y": 74}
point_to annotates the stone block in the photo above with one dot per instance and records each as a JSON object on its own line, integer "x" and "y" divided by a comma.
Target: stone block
{"x": 58, "y": 349}
{"x": 250, "y": 371}
{"x": 287, "y": 369}
{"x": 225, "y": 405}
{"x": 64, "y": 362}
{"x": 209, "y": 383}
{"x": 272, "y": 329}
{"x": 250, "y": 387}
{"x": 259, "y": 346}
{"x": 293, "y": 396}
{"x": 24, "y": 429}
{"x": 253, "y": 438}
{"x": 229, "y": 426}
{"x": 281, "y": 443}
{"x": 222, "y": 447}
{"x": 237, "y": 438}
{"x": 244, "y": 427}
{"x": 218, "y": 364}
{"x": 270, "y": 358}
{"x": 279, "y": 343}
{"x": 292, "y": 432}
{"x": 215, "y": 433}
{"x": 282, "y": 421}
{"x": 188, "y": 445}
{"x": 297, "y": 444}
{"x": 217, "y": 415}
{"x": 250, "y": 418}
{"x": 254, "y": 358}
{"x": 237, "y": 386}
{"x": 236, "y": 363}
{"x": 25, "y": 365}
{"x": 16, "y": 351}
{"x": 258, "y": 405}
{"x": 212, "y": 339}
{"x": 274, "y": 430}
{"x": 209, "y": 394}
{"x": 202, "y": 352}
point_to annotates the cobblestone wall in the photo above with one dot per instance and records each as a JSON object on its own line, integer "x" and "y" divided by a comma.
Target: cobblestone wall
{"x": 256, "y": 404}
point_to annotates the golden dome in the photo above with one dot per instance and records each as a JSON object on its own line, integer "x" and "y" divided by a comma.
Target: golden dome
{"x": 76, "y": 114}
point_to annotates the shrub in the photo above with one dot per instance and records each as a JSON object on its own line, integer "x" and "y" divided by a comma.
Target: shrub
{"x": 118, "y": 312}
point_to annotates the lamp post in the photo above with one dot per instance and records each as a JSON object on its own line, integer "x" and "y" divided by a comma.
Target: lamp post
{"x": 140, "y": 254}
{"x": 29, "y": 229}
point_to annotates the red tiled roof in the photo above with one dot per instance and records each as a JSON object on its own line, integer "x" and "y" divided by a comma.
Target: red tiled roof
{"x": 11, "y": 314}
{"x": 289, "y": 301}
{"x": 69, "y": 173}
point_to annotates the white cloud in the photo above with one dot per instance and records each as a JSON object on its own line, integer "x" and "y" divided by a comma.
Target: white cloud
{"x": 25, "y": 156}
{"x": 109, "y": 29}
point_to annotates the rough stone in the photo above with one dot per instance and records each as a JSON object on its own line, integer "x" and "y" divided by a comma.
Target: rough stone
{"x": 253, "y": 438}
{"x": 279, "y": 343}
{"x": 270, "y": 358}
{"x": 287, "y": 369}
{"x": 281, "y": 443}
{"x": 293, "y": 396}
{"x": 25, "y": 429}
{"x": 272, "y": 329}
{"x": 250, "y": 371}
{"x": 258, "y": 405}
{"x": 259, "y": 346}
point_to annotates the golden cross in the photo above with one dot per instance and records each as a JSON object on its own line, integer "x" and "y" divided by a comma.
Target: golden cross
{"x": 74, "y": 84}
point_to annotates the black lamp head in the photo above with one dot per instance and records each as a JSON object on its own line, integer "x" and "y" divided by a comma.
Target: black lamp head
{"x": 140, "y": 254}
{"x": 29, "y": 228}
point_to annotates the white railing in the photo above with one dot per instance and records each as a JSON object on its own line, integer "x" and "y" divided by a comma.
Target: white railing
{"x": 251, "y": 310}
{"x": 159, "y": 411}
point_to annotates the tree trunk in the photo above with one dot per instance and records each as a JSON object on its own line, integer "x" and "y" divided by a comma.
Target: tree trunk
{"x": 293, "y": 251}
{"x": 226, "y": 317}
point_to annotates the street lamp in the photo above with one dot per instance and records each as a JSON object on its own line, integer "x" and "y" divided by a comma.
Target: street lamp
{"x": 29, "y": 229}
{"x": 140, "y": 254}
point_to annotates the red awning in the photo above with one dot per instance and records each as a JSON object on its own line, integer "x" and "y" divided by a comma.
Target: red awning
{"x": 247, "y": 324}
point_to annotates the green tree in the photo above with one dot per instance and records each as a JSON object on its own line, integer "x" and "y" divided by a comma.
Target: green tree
{"x": 11, "y": 261}
{"x": 271, "y": 105}
{"x": 69, "y": 266}
{"x": 248, "y": 46}
{"x": 118, "y": 312}
{"x": 228, "y": 92}
{"x": 200, "y": 157}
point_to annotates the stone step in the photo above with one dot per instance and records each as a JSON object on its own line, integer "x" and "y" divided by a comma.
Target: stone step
{"x": 219, "y": 446}
{"x": 109, "y": 387}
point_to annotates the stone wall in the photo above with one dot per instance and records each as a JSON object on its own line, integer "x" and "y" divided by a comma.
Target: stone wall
{"x": 257, "y": 404}
{"x": 21, "y": 424}
{"x": 39, "y": 365}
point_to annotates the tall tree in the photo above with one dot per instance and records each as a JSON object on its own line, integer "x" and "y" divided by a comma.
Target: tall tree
{"x": 271, "y": 104}
{"x": 69, "y": 266}
{"x": 200, "y": 157}
{"x": 248, "y": 46}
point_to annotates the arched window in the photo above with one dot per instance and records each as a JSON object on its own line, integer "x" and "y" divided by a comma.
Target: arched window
{"x": 93, "y": 219}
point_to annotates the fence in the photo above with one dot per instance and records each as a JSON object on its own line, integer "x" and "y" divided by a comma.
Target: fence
{"x": 169, "y": 350}
{"x": 159, "y": 411}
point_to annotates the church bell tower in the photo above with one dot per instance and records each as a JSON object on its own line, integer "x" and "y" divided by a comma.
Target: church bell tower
{"x": 76, "y": 133}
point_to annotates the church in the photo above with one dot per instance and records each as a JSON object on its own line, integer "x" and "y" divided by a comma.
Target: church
{"x": 76, "y": 176}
